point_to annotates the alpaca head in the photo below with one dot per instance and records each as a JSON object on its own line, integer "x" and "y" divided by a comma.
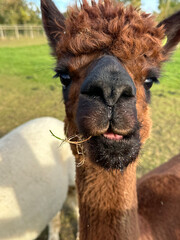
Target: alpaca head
{"x": 108, "y": 58}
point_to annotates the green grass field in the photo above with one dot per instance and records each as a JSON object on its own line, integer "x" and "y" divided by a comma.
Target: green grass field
{"x": 27, "y": 91}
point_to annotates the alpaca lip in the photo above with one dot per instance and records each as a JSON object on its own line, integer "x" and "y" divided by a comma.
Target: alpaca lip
{"x": 113, "y": 136}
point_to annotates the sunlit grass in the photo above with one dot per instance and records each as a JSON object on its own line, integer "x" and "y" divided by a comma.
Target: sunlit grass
{"x": 27, "y": 89}
{"x": 23, "y": 41}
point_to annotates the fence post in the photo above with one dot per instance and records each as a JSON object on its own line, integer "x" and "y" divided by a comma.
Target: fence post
{"x": 31, "y": 32}
{"x": 17, "y": 32}
{"x": 1, "y": 33}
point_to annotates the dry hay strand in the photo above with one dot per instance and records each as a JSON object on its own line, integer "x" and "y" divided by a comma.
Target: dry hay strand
{"x": 69, "y": 139}
{"x": 79, "y": 145}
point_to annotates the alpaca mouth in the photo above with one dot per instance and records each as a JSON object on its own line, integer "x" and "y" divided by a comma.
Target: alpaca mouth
{"x": 115, "y": 139}
{"x": 114, "y": 151}
{"x": 117, "y": 135}
{"x": 113, "y": 136}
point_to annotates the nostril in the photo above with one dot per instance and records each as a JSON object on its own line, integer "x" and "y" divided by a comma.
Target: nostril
{"x": 127, "y": 91}
{"x": 94, "y": 91}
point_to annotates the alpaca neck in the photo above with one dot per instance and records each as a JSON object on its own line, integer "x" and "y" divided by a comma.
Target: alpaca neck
{"x": 108, "y": 203}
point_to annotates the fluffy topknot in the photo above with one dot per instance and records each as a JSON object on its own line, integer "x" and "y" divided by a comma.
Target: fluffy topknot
{"x": 108, "y": 26}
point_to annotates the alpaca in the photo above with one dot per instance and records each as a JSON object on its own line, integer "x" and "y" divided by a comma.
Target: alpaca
{"x": 108, "y": 57}
{"x": 35, "y": 175}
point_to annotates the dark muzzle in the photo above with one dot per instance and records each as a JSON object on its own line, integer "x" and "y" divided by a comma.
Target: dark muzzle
{"x": 109, "y": 81}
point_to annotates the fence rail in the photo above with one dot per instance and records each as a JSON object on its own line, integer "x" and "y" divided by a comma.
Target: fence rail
{"x": 18, "y": 31}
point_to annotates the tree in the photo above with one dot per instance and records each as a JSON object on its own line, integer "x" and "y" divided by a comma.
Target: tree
{"x": 18, "y": 12}
{"x": 167, "y": 7}
{"x": 135, "y": 3}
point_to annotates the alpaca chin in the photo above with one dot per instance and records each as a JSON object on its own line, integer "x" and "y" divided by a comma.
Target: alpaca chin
{"x": 111, "y": 154}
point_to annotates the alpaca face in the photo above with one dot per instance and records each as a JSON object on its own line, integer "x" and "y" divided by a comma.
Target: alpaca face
{"x": 108, "y": 57}
{"x": 107, "y": 111}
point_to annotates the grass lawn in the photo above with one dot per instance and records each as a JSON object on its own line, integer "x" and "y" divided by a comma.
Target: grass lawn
{"x": 28, "y": 91}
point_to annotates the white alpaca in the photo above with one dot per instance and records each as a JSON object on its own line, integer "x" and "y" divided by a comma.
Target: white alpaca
{"x": 35, "y": 172}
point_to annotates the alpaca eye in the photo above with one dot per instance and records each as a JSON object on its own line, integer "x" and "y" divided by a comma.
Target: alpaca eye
{"x": 64, "y": 77}
{"x": 149, "y": 82}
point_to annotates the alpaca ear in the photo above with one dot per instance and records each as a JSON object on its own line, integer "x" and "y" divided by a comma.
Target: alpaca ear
{"x": 53, "y": 21}
{"x": 172, "y": 31}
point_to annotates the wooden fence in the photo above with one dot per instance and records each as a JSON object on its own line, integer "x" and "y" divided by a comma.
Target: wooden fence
{"x": 18, "y": 31}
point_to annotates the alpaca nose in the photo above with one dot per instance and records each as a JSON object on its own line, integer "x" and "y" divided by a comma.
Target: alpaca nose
{"x": 108, "y": 80}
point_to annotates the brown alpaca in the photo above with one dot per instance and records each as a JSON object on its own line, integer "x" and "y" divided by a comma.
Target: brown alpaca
{"x": 108, "y": 57}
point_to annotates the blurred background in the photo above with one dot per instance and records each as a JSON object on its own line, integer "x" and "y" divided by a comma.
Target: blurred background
{"x": 27, "y": 89}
